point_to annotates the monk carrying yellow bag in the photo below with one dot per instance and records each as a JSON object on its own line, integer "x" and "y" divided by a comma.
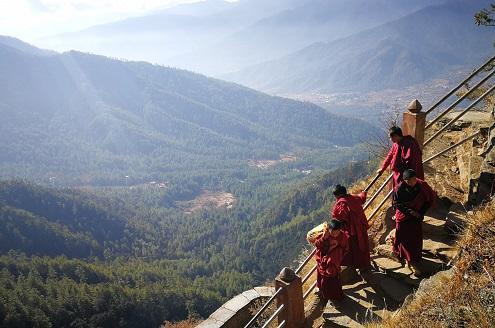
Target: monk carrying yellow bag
{"x": 317, "y": 232}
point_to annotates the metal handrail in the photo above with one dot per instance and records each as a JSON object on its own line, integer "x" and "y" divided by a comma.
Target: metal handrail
{"x": 384, "y": 184}
{"x": 310, "y": 289}
{"x": 263, "y": 308}
{"x": 380, "y": 205}
{"x": 451, "y": 92}
{"x": 458, "y": 101}
{"x": 452, "y": 147}
{"x": 373, "y": 182}
{"x": 306, "y": 260}
{"x": 274, "y": 315}
{"x": 306, "y": 277}
{"x": 282, "y": 324}
{"x": 460, "y": 115}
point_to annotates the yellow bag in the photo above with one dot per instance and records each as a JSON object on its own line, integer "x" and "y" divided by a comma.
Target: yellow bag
{"x": 317, "y": 232}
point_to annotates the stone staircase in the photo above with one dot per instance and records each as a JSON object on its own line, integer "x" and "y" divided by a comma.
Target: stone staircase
{"x": 382, "y": 291}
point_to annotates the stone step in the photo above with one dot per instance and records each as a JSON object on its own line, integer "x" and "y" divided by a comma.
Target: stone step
{"x": 395, "y": 289}
{"x": 433, "y": 226}
{"x": 455, "y": 219}
{"x": 429, "y": 265}
{"x": 444, "y": 249}
{"x": 396, "y": 271}
{"x": 362, "y": 304}
{"x": 439, "y": 245}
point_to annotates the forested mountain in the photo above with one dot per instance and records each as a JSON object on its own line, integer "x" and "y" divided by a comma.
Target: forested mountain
{"x": 423, "y": 45}
{"x": 89, "y": 119}
{"x": 118, "y": 257}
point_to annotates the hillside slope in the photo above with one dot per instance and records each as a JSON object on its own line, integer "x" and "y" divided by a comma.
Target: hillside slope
{"x": 76, "y": 114}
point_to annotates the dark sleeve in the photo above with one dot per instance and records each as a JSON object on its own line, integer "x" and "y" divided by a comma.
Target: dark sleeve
{"x": 424, "y": 208}
{"x": 398, "y": 202}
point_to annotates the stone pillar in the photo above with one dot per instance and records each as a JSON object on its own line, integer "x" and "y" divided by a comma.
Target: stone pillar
{"x": 414, "y": 121}
{"x": 292, "y": 298}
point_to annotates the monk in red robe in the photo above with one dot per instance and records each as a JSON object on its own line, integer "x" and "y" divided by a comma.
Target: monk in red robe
{"x": 412, "y": 198}
{"x": 330, "y": 249}
{"x": 349, "y": 210}
{"x": 404, "y": 154}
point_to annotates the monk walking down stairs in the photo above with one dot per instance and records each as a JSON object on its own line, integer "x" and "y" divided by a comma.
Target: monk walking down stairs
{"x": 349, "y": 210}
{"x": 412, "y": 198}
{"x": 404, "y": 154}
{"x": 331, "y": 244}
{"x": 330, "y": 250}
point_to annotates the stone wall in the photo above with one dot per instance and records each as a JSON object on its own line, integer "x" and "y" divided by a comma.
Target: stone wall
{"x": 471, "y": 161}
{"x": 235, "y": 313}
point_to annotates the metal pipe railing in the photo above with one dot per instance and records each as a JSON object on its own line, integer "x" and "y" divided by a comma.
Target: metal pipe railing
{"x": 310, "y": 289}
{"x": 458, "y": 101}
{"x": 306, "y": 277}
{"x": 452, "y": 147}
{"x": 274, "y": 315}
{"x": 306, "y": 260}
{"x": 384, "y": 184}
{"x": 263, "y": 308}
{"x": 380, "y": 205}
{"x": 373, "y": 182}
{"x": 451, "y": 92}
{"x": 460, "y": 115}
{"x": 282, "y": 324}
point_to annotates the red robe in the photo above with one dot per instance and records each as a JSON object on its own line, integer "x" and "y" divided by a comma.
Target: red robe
{"x": 402, "y": 156}
{"x": 349, "y": 210}
{"x": 328, "y": 262}
{"x": 408, "y": 243}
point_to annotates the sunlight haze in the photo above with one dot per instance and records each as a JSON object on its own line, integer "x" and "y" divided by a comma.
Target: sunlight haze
{"x": 33, "y": 19}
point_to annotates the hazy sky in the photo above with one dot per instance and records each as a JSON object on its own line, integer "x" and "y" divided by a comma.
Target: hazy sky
{"x": 33, "y": 19}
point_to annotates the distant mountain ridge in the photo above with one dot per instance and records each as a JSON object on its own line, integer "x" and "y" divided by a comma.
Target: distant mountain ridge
{"x": 214, "y": 37}
{"x": 161, "y": 35}
{"x": 412, "y": 49}
{"x": 293, "y": 29}
{"x": 71, "y": 113}
{"x": 24, "y": 47}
